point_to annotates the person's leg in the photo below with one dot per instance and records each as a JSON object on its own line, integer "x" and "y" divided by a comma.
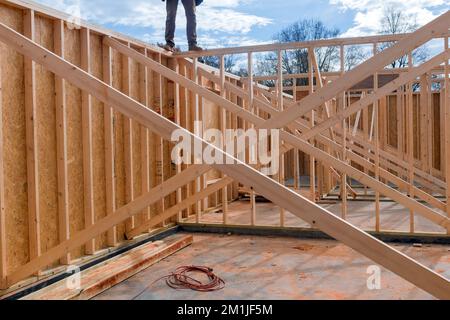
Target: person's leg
{"x": 191, "y": 17}
{"x": 171, "y": 6}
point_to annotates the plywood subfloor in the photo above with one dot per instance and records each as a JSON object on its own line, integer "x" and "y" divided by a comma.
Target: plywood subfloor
{"x": 279, "y": 268}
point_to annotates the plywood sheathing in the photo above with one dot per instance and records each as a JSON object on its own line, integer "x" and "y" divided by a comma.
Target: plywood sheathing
{"x": 15, "y": 165}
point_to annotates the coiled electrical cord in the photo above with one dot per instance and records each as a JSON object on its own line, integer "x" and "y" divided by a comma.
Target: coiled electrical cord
{"x": 181, "y": 280}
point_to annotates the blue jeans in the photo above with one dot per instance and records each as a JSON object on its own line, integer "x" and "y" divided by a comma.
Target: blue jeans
{"x": 189, "y": 8}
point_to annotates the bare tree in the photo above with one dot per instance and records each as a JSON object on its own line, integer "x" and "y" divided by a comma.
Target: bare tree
{"x": 396, "y": 21}
{"x": 296, "y": 61}
{"x": 354, "y": 55}
{"x": 230, "y": 62}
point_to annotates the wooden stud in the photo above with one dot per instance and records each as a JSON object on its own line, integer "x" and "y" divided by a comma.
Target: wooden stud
{"x": 400, "y": 126}
{"x": 144, "y": 95}
{"x": 447, "y": 123}
{"x": 153, "y": 92}
{"x": 159, "y": 145}
{"x": 202, "y": 119}
{"x": 297, "y": 176}
{"x": 344, "y": 158}
{"x": 410, "y": 141}
{"x": 376, "y": 113}
{"x": 3, "y": 256}
{"x": 32, "y": 142}
{"x": 234, "y": 125}
{"x": 223, "y": 126}
{"x": 188, "y": 126}
{"x": 109, "y": 147}
{"x": 423, "y": 122}
{"x": 88, "y": 169}
{"x": 343, "y": 100}
{"x": 61, "y": 142}
{"x": 312, "y": 160}
{"x": 197, "y": 131}
{"x": 280, "y": 103}
{"x": 365, "y": 125}
{"x": 250, "y": 107}
{"x": 442, "y": 160}
{"x": 177, "y": 107}
{"x": 430, "y": 126}
{"x": 319, "y": 85}
{"x": 128, "y": 140}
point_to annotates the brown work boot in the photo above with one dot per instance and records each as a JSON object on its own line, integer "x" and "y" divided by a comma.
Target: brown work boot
{"x": 168, "y": 47}
{"x": 195, "y": 47}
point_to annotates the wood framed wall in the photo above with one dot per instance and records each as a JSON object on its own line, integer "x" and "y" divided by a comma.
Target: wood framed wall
{"x": 71, "y": 161}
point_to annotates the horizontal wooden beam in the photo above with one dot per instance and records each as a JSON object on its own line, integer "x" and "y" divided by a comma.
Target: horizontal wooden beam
{"x": 298, "y": 45}
{"x": 331, "y": 75}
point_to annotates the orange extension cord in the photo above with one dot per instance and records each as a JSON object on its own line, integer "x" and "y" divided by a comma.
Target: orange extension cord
{"x": 181, "y": 280}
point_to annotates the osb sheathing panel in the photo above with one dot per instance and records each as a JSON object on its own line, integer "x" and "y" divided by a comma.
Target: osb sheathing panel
{"x": 392, "y": 121}
{"x": 15, "y": 166}
{"x": 436, "y": 130}
{"x": 98, "y": 140}
{"x": 74, "y": 140}
{"x": 46, "y": 128}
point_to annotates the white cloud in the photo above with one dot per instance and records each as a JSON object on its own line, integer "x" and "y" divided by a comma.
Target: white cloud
{"x": 369, "y": 13}
{"x": 214, "y": 16}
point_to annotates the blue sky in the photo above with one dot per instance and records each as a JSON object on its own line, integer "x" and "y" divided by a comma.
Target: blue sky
{"x": 244, "y": 22}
